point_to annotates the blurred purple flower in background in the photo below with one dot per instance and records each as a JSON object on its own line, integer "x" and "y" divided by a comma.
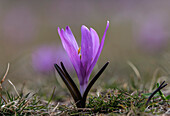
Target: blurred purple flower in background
{"x": 19, "y": 24}
{"x": 152, "y": 34}
{"x": 44, "y": 57}
{"x": 84, "y": 58}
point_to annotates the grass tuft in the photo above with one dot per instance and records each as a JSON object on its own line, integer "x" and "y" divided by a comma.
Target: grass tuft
{"x": 128, "y": 100}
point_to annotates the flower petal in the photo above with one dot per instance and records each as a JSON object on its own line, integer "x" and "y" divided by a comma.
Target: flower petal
{"x": 71, "y": 51}
{"x": 95, "y": 40}
{"x": 86, "y": 47}
{"x": 98, "y": 52}
{"x": 71, "y": 37}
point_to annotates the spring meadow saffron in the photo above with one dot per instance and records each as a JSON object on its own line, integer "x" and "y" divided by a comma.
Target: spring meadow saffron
{"x": 83, "y": 59}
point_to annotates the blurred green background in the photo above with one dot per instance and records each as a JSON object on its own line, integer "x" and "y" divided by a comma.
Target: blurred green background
{"x": 139, "y": 32}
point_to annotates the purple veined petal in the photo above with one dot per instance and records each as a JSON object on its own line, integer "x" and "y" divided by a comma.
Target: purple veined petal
{"x": 95, "y": 40}
{"x": 98, "y": 53}
{"x": 71, "y": 37}
{"x": 62, "y": 38}
{"x": 73, "y": 55}
{"x": 86, "y": 47}
{"x": 82, "y": 79}
{"x": 71, "y": 51}
{"x": 81, "y": 72}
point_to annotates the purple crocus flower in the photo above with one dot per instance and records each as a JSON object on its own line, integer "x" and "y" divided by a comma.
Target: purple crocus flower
{"x": 85, "y": 57}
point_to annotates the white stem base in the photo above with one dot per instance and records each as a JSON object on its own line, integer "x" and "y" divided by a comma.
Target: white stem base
{"x": 83, "y": 88}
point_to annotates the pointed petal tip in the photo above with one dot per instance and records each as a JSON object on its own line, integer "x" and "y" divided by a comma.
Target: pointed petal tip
{"x": 91, "y": 29}
{"x": 58, "y": 28}
{"x": 62, "y": 30}
{"x": 68, "y": 30}
{"x": 84, "y": 27}
{"x": 107, "y": 25}
{"x": 67, "y": 27}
